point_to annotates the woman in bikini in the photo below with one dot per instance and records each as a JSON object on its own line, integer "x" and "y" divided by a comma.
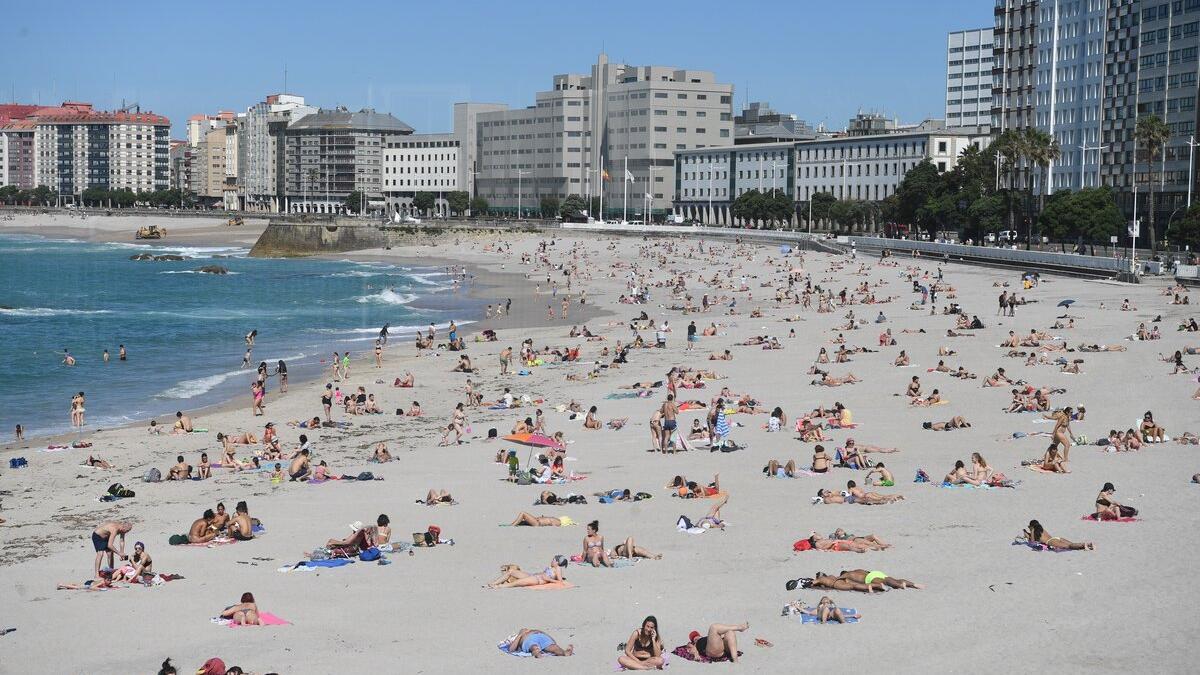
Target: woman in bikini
{"x": 593, "y": 547}
{"x": 1108, "y": 508}
{"x": 1035, "y": 534}
{"x": 820, "y": 461}
{"x": 590, "y": 421}
{"x": 1151, "y": 432}
{"x": 643, "y": 649}
{"x": 719, "y": 644}
{"x": 245, "y": 613}
{"x": 512, "y": 576}
{"x": 628, "y": 549}
{"x": 530, "y": 520}
{"x": 959, "y": 476}
{"x": 980, "y": 470}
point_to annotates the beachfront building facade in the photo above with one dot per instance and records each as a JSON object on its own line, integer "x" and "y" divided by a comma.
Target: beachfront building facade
{"x": 1068, "y": 86}
{"x": 16, "y": 145}
{"x": 1014, "y": 62}
{"x": 861, "y": 168}
{"x": 261, "y": 150}
{"x": 332, "y": 153}
{"x": 969, "y": 78}
{"x": 1158, "y": 78}
{"x": 420, "y": 163}
{"x": 613, "y": 131}
{"x": 709, "y": 180}
{"x": 74, "y": 147}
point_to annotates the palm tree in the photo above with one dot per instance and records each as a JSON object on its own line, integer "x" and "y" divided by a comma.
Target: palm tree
{"x": 1152, "y": 134}
{"x": 1010, "y": 146}
{"x": 1041, "y": 149}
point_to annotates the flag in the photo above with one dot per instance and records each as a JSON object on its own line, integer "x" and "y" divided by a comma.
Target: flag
{"x": 604, "y": 175}
{"x": 628, "y": 176}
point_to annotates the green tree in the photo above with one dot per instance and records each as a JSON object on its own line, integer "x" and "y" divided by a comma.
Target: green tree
{"x": 549, "y": 206}
{"x": 355, "y": 202}
{"x": 986, "y": 215}
{"x": 822, "y": 203}
{"x": 1010, "y": 150}
{"x": 1152, "y": 134}
{"x": 94, "y": 196}
{"x": 780, "y": 207}
{"x": 1185, "y": 231}
{"x": 573, "y": 207}
{"x": 459, "y": 201}
{"x": 479, "y": 206}
{"x": 1101, "y": 219}
{"x": 43, "y": 195}
{"x": 8, "y": 193}
{"x": 424, "y": 201}
{"x": 1060, "y": 218}
{"x": 1042, "y": 150}
{"x": 748, "y": 206}
{"x": 914, "y": 193}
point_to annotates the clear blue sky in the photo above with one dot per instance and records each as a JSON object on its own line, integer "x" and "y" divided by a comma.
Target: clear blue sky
{"x": 820, "y": 59}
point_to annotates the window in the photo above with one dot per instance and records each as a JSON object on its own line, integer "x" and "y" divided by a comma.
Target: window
{"x": 681, "y": 113}
{"x": 660, "y": 94}
{"x": 941, "y": 147}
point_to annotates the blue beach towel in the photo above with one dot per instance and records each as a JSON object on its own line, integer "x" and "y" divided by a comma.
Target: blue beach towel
{"x": 334, "y": 562}
{"x": 846, "y": 611}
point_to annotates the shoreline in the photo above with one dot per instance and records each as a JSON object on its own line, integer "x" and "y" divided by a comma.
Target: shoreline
{"x": 485, "y": 280}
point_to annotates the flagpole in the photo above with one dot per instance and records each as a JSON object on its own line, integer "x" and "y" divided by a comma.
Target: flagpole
{"x": 602, "y": 170}
{"x": 625, "y": 182}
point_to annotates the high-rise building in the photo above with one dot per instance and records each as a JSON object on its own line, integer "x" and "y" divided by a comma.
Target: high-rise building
{"x": 73, "y": 147}
{"x": 183, "y": 158}
{"x": 261, "y": 150}
{"x": 969, "y": 78}
{"x": 617, "y": 127}
{"x": 1014, "y": 62}
{"x": 331, "y": 153}
{"x": 1151, "y": 69}
{"x": 1068, "y": 90}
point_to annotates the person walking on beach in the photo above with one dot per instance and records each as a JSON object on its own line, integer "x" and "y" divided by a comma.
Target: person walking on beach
{"x": 691, "y": 335}
{"x": 669, "y": 411}
{"x": 565, "y": 304}
{"x": 505, "y": 360}
{"x": 507, "y": 306}
{"x": 281, "y": 371}
{"x": 336, "y": 368}
{"x": 245, "y": 359}
{"x": 383, "y": 333}
{"x": 379, "y": 353}
{"x": 20, "y": 433}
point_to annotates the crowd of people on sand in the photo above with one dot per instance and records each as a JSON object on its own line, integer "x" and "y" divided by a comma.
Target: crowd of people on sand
{"x": 728, "y": 293}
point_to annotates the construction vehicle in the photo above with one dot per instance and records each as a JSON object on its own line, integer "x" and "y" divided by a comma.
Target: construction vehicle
{"x": 235, "y": 221}
{"x": 151, "y": 232}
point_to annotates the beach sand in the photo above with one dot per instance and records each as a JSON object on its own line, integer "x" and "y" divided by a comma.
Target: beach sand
{"x": 989, "y": 606}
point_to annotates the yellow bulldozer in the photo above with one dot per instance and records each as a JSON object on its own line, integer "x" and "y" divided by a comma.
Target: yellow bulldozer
{"x": 235, "y": 221}
{"x": 151, "y": 232}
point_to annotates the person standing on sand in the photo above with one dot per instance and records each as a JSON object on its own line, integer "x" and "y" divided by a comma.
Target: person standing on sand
{"x": 669, "y": 411}
{"x": 104, "y": 540}
{"x": 507, "y": 306}
{"x": 505, "y": 360}
{"x": 20, "y": 433}
{"x": 565, "y": 304}
{"x": 378, "y": 354}
{"x": 346, "y": 365}
{"x": 691, "y": 335}
{"x": 281, "y": 371}
{"x": 336, "y": 367}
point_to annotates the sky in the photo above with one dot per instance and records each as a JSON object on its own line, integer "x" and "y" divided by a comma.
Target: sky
{"x": 823, "y": 60}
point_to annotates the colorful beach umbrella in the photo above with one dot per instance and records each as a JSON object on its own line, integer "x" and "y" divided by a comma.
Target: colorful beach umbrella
{"x": 534, "y": 440}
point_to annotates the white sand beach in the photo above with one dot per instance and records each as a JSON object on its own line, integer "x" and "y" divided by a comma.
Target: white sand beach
{"x": 987, "y": 606}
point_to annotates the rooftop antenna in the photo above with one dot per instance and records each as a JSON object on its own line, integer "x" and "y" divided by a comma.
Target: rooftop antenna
{"x": 285, "y": 77}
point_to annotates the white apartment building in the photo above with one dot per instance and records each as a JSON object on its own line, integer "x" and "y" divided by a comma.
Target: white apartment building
{"x": 969, "y": 78}
{"x": 590, "y": 130}
{"x": 865, "y": 168}
{"x": 420, "y": 163}
{"x": 261, "y": 149}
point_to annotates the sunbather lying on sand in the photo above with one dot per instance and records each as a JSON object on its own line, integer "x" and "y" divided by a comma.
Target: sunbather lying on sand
{"x": 537, "y": 644}
{"x": 956, "y": 422}
{"x": 531, "y": 520}
{"x": 512, "y": 576}
{"x": 1035, "y": 534}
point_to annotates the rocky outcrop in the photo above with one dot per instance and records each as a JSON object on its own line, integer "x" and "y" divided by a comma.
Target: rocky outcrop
{"x": 165, "y": 257}
{"x": 212, "y": 269}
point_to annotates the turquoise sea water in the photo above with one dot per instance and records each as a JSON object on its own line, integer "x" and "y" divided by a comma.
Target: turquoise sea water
{"x": 184, "y": 331}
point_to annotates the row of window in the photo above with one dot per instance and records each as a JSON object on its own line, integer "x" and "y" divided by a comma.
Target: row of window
{"x": 421, "y": 183}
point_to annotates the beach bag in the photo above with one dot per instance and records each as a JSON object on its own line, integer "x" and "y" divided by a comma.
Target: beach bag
{"x": 152, "y": 476}
{"x": 523, "y": 478}
{"x": 120, "y": 491}
{"x": 177, "y": 540}
{"x": 684, "y": 523}
{"x": 1128, "y": 511}
{"x": 366, "y": 475}
{"x": 370, "y": 555}
{"x": 922, "y": 477}
{"x": 17, "y": 463}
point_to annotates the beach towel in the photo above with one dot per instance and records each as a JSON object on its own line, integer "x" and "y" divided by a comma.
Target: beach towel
{"x": 1038, "y": 547}
{"x": 264, "y": 619}
{"x": 556, "y": 586}
{"x": 332, "y": 562}
{"x": 665, "y": 657}
{"x": 683, "y": 652}
{"x": 1038, "y": 468}
{"x": 1092, "y": 517}
{"x": 965, "y": 485}
{"x": 846, "y": 612}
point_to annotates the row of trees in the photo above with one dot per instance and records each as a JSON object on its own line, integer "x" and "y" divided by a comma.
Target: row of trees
{"x": 39, "y": 196}
{"x": 99, "y": 197}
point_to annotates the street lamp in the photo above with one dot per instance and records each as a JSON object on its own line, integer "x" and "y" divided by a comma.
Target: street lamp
{"x": 711, "y": 169}
{"x": 1191, "y": 167}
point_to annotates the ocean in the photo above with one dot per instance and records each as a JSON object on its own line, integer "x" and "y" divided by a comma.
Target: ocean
{"x": 184, "y": 330}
